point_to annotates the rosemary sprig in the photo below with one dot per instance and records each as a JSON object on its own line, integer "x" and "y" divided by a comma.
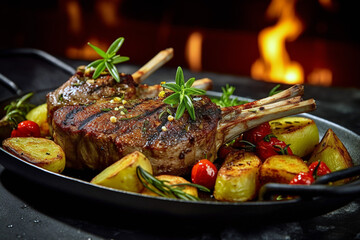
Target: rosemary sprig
{"x": 109, "y": 59}
{"x": 225, "y": 100}
{"x": 182, "y": 94}
{"x": 164, "y": 189}
{"x": 16, "y": 111}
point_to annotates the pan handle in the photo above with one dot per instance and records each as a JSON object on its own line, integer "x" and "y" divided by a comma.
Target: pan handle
{"x": 318, "y": 188}
{"x": 41, "y": 54}
{"x": 10, "y": 84}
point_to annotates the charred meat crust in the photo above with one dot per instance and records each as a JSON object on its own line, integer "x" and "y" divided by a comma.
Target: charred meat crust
{"x": 81, "y": 90}
{"x": 85, "y": 132}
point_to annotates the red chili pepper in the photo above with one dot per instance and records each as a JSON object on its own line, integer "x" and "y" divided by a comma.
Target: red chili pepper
{"x": 319, "y": 169}
{"x": 303, "y": 178}
{"x": 272, "y": 146}
{"x": 26, "y": 128}
{"x": 258, "y": 133}
{"x": 204, "y": 173}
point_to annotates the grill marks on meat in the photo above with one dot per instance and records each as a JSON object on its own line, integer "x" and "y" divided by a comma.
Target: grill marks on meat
{"x": 91, "y": 140}
{"x": 82, "y": 90}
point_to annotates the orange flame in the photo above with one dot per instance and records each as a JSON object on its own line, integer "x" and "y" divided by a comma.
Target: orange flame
{"x": 274, "y": 64}
{"x": 193, "y": 51}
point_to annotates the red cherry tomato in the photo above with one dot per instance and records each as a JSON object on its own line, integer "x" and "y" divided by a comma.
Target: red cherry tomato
{"x": 270, "y": 147}
{"x": 26, "y": 128}
{"x": 303, "y": 178}
{"x": 204, "y": 173}
{"x": 224, "y": 151}
{"x": 321, "y": 170}
{"x": 258, "y": 133}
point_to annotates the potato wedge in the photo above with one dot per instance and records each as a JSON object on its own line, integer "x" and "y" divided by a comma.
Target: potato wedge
{"x": 39, "y": 115}
{"x": 332, "y": 152}
{"x": 173, "y": 180}
{"x": 301, "y": 133}
{"x": 238, "y": 177}
{"x": 41, "y": 152}
{"x": 281, "y": 168}
{"x": 122, "y": 174}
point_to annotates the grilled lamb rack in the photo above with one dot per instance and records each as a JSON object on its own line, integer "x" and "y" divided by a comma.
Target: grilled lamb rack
{"x": 97, "y": 135}
{"x": 81, "y": 89}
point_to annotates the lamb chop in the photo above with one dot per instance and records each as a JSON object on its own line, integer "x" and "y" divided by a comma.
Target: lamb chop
{"x": 81, "y": 89}
{"x": 97, "y": 135}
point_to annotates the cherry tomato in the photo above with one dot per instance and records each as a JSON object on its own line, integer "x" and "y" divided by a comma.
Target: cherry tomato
{"x": 303, "y": 178}
{"x": 26, "y": 128}
{"x": 224, "y": 151}
{"x": 321, "y": 170}
{"x": 270, "y": 147}
{"x": 204, "y": 173}
{"x": 258, "y": 133}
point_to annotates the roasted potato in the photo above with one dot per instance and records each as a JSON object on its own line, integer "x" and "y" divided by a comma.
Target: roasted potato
{"x": 173, "y": 180}
{"x": 332, "y": 152}
{"x": 281, "y": 168}
{"x": 301, "y": 133}
{"x": 41, "y": 152}
{"x": 122, "y": 174}
{"x": 39, "y": 115}
{"x": 238, "y": 177}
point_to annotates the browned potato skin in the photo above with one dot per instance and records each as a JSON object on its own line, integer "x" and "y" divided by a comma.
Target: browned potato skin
{"x": 299, "y": 132}
{"x": 332, "y": 152}
{"x": 281, "y": 169}
{"x": 238, "y": 177}
{"x": 41, "y": 152}
{"x": 173, "y": 180}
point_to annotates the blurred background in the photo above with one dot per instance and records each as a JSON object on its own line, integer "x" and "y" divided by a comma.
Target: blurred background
{"x": 286, "y": 41}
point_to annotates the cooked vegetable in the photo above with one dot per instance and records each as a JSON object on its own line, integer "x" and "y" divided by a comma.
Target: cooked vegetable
{"x": 299, "y": 132}
{"x": 173, "y": 180}
{"x": 238, "y": 177}
{"x": 39, "y": 115}
{"x": 41, "y": 152}
{"x": 281, "y": 169}
{"x": 166, "y": 189}
{"x": 122, "y": 174}
{"x": 303, "y": 178}
{"x": 258, "y": 133}
{"x": 332, "y": 152}
{"x": 271, "y": 146}
{"x": 204, "y": 173}
{"x": 26, "y": 128}
{"x": 316, "y": 169}
{"x": 319, "y": 169}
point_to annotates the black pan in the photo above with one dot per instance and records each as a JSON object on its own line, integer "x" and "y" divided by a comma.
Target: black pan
{"x": 315, "y": 200}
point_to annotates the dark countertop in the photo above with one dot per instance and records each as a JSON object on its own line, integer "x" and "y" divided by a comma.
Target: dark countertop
{"x": 31, "y": 211}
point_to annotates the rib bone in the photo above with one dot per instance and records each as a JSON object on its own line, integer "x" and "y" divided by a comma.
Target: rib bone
{"x": 151, "y": 66}
{"x": 240, "y": 120}
{"x": 146, "y": 91}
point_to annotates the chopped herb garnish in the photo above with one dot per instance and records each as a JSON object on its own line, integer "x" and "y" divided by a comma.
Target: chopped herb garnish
{"x": 106, "y": 109}
{"x": 110, "y": 59}
{"x": 182, "y": 94}
{"x": 225, "y": 100}
{"x": 61, "y": 98}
